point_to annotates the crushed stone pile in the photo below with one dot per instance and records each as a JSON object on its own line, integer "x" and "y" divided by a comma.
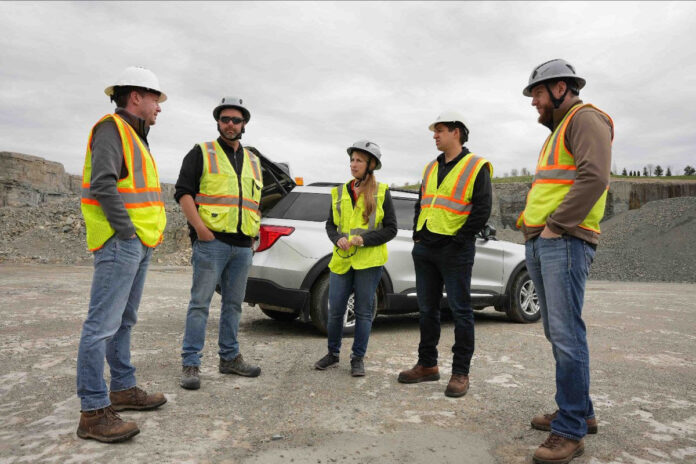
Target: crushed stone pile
{"x": 654, "y": 243}
{"x": 54, "y": 233}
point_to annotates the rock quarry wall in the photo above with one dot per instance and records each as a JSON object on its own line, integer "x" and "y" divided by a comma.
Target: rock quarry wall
{"x": 27, "y": 180}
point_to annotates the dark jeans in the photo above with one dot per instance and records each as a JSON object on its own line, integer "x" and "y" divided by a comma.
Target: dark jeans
{"x": 450, "y": 265}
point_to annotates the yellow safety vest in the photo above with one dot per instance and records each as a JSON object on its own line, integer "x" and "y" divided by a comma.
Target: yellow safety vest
{"x": 218, "y": 197}
{"x": 349, "y": 221}
{"x": 446, "y": 208}
{"x": 140, "y": 190}
{"x": 555, "y": 175}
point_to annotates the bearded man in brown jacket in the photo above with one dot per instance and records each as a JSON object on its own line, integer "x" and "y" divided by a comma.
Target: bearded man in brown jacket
{"x": 560, "y": 223}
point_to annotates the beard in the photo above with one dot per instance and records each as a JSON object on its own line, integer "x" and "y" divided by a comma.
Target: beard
{"x": 546, "y": 116}
{"x": 230, "y": 135}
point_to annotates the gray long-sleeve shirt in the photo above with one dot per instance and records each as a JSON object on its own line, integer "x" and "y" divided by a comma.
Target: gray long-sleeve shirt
{"x": 108, "y": 167}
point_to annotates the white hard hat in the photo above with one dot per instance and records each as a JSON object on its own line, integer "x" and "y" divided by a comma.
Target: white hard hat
{"x": 136, "y": 76}
{"x": 232, "y": 102}
{"x": 448, "y": 116}
{"x": 368, "y": 147}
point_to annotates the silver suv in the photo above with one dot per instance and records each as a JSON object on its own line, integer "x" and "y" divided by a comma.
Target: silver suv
{"x": 289, "y": 277}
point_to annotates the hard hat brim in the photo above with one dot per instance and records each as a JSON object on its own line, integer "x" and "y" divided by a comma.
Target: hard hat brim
{"x": 350, "y": 151}
{"x": 109, "y": 91}
{"x": 527, "y": 91}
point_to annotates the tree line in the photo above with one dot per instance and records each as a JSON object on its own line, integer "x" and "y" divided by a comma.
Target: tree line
{"x": 651, "y": 170}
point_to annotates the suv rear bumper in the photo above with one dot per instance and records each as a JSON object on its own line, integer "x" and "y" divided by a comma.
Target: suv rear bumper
{"x": 264, "y": 291}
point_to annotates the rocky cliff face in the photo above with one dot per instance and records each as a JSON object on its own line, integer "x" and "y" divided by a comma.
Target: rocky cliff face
{"x": 27, "y": 180}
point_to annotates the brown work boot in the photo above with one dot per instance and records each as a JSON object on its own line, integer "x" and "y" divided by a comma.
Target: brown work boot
{"x": 543, "y": 422}
{"x": 458, "y": 386}
{"x": 558, "y": 450}
{"x": 137, "y": 399}
{"x": 419, "y": 373}
{"x": 105, "y": 425}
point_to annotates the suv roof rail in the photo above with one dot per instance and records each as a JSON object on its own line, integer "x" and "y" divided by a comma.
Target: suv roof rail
{"x": 403, "y": 190}
{"x": 324, "y": 184}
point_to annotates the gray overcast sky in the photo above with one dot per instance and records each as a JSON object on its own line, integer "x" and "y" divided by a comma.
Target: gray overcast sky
{"x": 319, "y": 76}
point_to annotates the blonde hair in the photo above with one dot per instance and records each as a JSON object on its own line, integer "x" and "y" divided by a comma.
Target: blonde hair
{"x": 368, "y": 186}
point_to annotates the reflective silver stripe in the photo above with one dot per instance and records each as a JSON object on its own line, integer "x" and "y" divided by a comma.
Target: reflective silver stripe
{"x": 254, "y": 165}
{"x": 222, "y": 201}
{"x": 212, "y": 158}
{"x": 138, "y": 174}
{"x": 454, "y": 205}
{"x": 554, "y": 144}
{"x": 128, "y": 197}
{"x": 338, "y": 200}
{"x": 555, "y": 174}
{"x": 460, "y": 188}
{"x": 425, "y": 174}
{"x": 370, "y": 224}
{"x": 251, "y": 204}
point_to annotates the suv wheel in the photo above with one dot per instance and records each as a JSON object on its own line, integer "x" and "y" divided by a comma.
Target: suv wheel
{"x": 319, "y": 309}
{"x": 524, "y": 302}
{"x": 278, "y": 315}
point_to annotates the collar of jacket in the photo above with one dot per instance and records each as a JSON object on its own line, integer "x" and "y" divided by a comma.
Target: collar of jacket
{"x": 135, "y": 122}
{"x": 560, "y": 113}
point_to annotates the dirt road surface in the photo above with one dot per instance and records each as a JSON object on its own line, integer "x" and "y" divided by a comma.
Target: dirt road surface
{"x": 643, "y": 360}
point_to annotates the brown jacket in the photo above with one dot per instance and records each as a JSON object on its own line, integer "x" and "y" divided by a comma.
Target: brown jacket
{"x": 588, "y": 137}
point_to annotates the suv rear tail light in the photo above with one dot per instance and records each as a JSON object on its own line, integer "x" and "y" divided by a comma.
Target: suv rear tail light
{"x": 270, "y": 234}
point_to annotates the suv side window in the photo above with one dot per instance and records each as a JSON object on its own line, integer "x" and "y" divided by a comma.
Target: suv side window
{"x": 302, "y": 207}
{"x": 403, "y": 208}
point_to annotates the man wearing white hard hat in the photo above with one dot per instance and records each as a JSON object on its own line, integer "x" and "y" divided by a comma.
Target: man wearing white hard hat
{"x": 125, "y": 219}
{"x": 454, "y": 204}
{"x": 219, "y": 190}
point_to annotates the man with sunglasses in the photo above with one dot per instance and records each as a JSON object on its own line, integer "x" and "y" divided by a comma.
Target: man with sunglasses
{"x": 219, "y": 189}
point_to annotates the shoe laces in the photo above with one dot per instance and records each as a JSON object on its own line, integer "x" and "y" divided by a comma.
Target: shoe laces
{"x": 553, "y": 441}
{"x": 190, "y": 370}
{"x": 139, "y": 394}
{"x": 111, "y": 415}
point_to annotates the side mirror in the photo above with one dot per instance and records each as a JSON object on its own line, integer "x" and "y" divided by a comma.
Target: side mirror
{"x": 488, "y": 232}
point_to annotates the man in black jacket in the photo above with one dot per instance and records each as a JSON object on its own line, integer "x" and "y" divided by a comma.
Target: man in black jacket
{"x": 454, "y": 204}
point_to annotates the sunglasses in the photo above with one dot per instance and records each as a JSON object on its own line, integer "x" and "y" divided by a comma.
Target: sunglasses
{"x": 347, "y": 253}
{"x": 234, "y": 120}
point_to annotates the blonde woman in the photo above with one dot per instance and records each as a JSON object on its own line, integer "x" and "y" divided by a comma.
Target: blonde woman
{"x": 360, "y": 224}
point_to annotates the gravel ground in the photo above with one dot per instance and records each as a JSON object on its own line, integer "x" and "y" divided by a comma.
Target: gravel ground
{"x": 653, "y": 243}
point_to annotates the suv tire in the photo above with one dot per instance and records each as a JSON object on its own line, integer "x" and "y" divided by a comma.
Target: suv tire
{"x": 524, "y": 302}
{"x": 319, "y": 307}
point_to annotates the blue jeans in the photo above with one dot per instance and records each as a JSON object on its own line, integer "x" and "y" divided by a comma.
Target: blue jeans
{"x": 449, "y": 265}
{"x": 117, "y": 285}
{"x": 364, "y": 283}
{"x": 559, "y": 269}
{"x": 214, "y": 262}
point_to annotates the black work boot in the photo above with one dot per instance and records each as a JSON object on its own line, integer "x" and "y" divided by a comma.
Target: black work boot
{"x": 357, "y": 367}
{"x": 329, "y": 360}
{"x": 239, "y": 366}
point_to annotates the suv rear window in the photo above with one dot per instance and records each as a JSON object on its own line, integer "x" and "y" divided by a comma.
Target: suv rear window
{"x": 302, "y": 207}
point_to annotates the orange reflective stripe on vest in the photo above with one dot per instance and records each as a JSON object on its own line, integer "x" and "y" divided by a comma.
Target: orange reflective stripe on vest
{"x": 445, "y": 208}
{"x": 555, "y": 174}
{"x": 140, "y": 191}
